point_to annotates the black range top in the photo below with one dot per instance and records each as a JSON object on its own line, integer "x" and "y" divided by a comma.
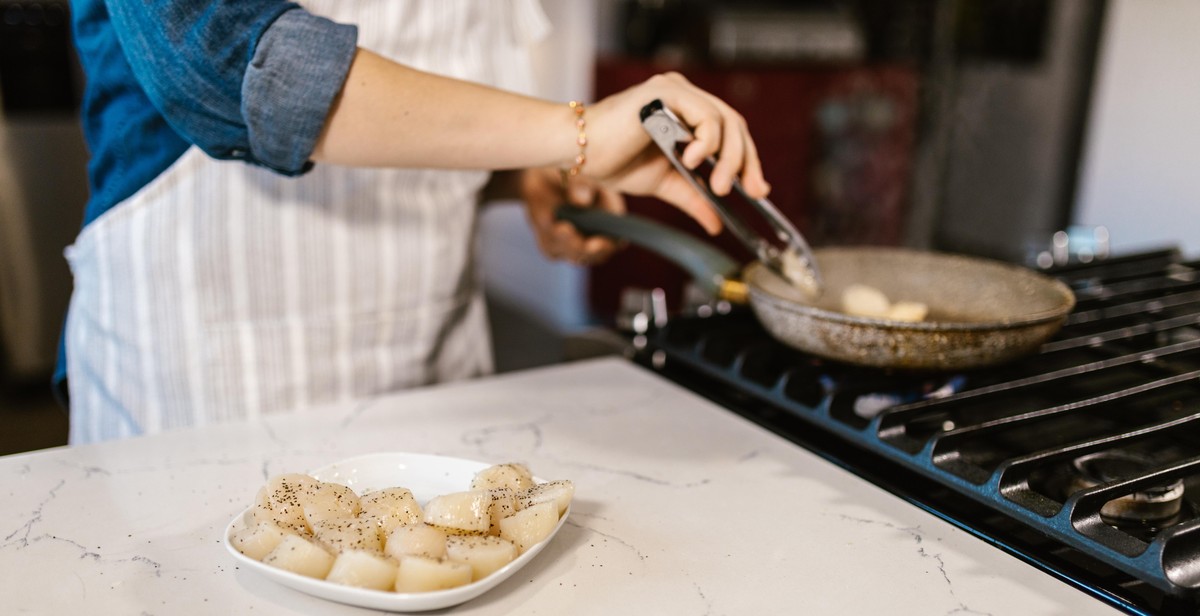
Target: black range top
{"x": 1083, "y": 459}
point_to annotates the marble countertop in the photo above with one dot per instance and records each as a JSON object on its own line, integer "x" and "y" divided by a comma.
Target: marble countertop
{"x": 681, "y": 508}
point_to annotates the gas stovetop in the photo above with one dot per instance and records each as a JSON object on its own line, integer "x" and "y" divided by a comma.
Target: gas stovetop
{"x": 1083, "y": 459}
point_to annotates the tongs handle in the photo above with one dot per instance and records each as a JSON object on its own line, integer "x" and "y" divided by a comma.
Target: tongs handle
{"x": 796, "y": 263}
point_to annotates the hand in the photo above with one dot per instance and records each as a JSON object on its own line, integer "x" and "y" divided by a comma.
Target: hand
{"x": 622, "y": 157}
{"x": 543, "y": 191}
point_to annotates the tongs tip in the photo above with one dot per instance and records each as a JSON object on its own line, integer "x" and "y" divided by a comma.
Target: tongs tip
{"x": 795, "y": 263}
{"x": 800, "y": 270}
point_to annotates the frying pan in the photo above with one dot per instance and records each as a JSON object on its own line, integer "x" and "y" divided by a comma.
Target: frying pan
{"x": 981, "y": 312}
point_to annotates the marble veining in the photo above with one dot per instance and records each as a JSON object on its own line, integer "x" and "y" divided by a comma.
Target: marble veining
{"x": 354, "y": 414}
{"x": 915, "y": 533}
{"x": 21, "y": 539}
{"x": 668, "y": 483}
{"x": 490, "y": 440}
{"x": 681, "y": 508}
{"x": 615, "y": 538}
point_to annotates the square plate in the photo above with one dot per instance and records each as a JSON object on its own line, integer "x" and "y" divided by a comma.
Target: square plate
{"x": 426, "y": 476}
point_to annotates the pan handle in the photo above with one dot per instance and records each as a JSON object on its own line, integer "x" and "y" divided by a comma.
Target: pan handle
{"x": 713, "y": 270}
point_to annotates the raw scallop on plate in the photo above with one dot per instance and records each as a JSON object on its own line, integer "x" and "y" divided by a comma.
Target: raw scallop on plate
{"x": 426, "y": 476}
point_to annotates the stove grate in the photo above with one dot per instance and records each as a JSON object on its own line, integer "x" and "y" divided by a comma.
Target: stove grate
{"x": 1118, "y": 389}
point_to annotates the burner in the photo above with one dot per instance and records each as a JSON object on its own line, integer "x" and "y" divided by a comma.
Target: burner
{"x": 1152, "y": 506}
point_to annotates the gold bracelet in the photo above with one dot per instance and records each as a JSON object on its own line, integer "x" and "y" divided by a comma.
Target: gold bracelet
{"x": 581, "y": 140}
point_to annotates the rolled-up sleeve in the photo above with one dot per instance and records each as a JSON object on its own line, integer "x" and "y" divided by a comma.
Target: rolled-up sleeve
{"x": 242, "y": 79}
{"x": 298, "y": 69}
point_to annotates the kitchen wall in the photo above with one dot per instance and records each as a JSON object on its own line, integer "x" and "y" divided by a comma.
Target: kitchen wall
{"x": 1141, "y": 165}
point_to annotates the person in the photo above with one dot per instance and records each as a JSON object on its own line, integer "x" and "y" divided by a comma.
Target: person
{"x": 283, "y": 197}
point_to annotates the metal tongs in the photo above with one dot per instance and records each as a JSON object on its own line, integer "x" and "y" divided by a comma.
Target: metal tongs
{"x": 794, "y": 263}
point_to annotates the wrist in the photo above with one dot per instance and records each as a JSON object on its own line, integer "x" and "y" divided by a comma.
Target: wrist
{"x": 579, "y": 113}
{"x": 614, "y": 133}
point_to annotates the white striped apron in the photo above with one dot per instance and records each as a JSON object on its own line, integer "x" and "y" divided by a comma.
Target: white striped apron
{"x": 223, "y": 291}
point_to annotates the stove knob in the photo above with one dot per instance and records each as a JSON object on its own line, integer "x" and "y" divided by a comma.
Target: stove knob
{"x": 642, "y": 311}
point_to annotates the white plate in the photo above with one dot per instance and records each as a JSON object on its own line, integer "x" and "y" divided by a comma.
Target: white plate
{"x": 427, "y": 476}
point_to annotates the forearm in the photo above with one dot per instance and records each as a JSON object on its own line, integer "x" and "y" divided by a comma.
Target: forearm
{"x": 390, "y": 115}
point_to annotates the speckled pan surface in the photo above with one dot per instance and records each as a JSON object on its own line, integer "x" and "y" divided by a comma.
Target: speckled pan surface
{"x": 981, "y": 312}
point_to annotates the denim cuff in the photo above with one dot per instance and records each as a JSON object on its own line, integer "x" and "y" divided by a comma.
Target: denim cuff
{"x": 298, "y": 68}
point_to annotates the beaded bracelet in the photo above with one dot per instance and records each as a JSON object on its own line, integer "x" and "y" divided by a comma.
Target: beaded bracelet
{"x": 581, "y": 140}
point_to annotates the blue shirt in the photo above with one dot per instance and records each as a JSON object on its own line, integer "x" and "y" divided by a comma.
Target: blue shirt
{"x": 249, "y": 80}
